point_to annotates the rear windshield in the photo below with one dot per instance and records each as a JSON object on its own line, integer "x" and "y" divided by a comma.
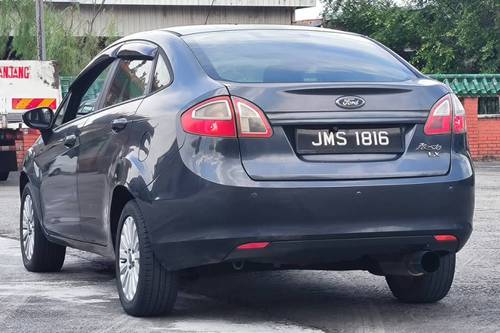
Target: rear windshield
{"x": 290, "y": 56}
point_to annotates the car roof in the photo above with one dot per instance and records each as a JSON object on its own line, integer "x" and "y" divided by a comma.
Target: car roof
{"x": 197, "y": 29}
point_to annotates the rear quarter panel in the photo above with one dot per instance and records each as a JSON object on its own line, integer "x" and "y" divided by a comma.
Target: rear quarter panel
{"x": 157, "y": 135}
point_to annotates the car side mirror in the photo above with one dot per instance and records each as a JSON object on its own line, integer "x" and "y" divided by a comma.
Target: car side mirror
{"x": 39, "y": 118}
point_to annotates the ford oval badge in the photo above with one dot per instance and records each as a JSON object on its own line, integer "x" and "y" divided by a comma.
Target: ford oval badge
{"x": 350, "y": 102}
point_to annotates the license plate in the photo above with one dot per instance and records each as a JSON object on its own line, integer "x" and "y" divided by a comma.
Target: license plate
{"x": 349, "y": 140}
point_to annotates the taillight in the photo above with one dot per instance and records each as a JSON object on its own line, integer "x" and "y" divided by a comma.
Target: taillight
{"x": 459, "y": 124}
{"x": 11, "y": 135}
{"x": 439, "y": 121}
{"x": 447, "y": 115}
{"x": 225, "y": 117}
{"x": 252, "y": 123}
{"x": 213, "y": 117}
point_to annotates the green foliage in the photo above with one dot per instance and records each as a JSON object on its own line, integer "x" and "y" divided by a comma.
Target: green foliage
{"x": 17, "y": 17}
{"x": 69, "y": 41}
{"x": 445, "y": 36}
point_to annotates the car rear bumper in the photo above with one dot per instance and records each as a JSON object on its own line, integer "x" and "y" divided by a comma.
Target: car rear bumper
{"x": 326, "y": 252}
{"x": 323, "y": 221}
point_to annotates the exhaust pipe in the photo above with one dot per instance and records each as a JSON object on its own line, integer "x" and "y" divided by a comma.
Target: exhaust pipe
{"x": 238, "y": 265}
{"x": 415, "y": 264}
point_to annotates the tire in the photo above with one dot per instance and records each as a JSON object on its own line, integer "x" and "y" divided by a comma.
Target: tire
{"x": 428, "y": 288}
{"x": 39, "y": 254}
{"x": 155, "y": 289}
{"x": 4, "y": 176}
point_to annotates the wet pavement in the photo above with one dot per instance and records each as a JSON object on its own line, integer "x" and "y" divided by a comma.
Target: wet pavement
{"x": 82, "y": 298}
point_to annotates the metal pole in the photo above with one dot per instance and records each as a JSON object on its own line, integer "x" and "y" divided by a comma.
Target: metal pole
{"x": 40, "y": 30}
{"x": 3, "y": 113}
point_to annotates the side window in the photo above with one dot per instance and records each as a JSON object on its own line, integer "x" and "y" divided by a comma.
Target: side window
{"x": 130, "y": 81}
{"x": 62, "y": 112}
{"x": 84, "y": 94}
{"x": 89, "y": 99}
{"x": 162, "y": 75}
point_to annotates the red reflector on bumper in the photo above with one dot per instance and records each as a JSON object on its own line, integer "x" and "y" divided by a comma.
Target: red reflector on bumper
{"x": 253, "y": 246}
{"x": 445, "y": 238}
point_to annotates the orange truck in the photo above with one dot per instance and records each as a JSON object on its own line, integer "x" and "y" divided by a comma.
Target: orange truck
{"x": 24, "y": 85}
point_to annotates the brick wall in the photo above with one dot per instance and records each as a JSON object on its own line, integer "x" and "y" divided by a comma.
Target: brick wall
{"x": 29, "y": 138}
{"x": 484, "y": 133}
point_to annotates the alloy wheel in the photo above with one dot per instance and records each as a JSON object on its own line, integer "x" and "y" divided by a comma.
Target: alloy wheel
{"x": 129, "y": 258}
{"x": 28, "y": 227}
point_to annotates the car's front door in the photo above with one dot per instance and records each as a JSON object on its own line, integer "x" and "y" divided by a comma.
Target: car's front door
{"x": 57, "y": 160}
{"x": 103, "y": 140}
{"x": 56, "y": 164}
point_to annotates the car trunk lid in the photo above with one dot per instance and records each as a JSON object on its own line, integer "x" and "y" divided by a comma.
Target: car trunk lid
{"x": 298, "y": 110}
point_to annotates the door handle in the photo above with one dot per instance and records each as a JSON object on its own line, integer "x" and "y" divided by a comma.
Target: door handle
{"x": 70, "y": 140}
{"x": 119, "y": 124}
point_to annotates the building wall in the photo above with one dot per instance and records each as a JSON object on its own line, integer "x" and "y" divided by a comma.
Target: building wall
{"x": 483, "y": 132}
{"x": 244, "y": 3}
{"x": 131, "y": 19}
{"x": 29, "y": 138}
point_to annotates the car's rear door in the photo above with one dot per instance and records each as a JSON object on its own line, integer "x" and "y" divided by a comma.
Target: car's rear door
{"x": 104, "y": 137}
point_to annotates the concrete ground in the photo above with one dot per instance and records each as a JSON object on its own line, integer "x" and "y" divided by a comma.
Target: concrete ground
{"x": 82, "y": 298}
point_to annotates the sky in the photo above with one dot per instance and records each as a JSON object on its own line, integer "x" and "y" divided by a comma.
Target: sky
{"x": 309, "y": 13}
{"x": 312, "y": 13}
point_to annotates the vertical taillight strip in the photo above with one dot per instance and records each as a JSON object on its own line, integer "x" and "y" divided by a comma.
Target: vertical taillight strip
{"x": 459, "y": 117}
{"x": 251, "y": 121}
{"x": 439, "y": 120}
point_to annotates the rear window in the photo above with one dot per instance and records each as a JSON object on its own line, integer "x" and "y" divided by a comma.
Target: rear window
{"x": 290, "y": 56}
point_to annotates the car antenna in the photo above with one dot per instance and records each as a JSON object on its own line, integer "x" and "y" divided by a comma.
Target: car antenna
{"x": 209, "y": 11}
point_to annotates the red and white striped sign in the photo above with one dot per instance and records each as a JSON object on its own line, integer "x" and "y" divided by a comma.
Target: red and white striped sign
{"x": 31, "y": 103}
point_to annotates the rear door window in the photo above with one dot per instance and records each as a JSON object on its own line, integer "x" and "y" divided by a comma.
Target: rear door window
{"x": 130, "y": 81}
{"x": 294, "y": 56}
{"x": 162, "y": 77}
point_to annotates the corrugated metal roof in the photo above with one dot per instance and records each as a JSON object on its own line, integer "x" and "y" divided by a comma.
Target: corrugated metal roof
{"x": 246, "y": 3}
{"x": 471, "y": 84}
{"x": 131, "y": 19}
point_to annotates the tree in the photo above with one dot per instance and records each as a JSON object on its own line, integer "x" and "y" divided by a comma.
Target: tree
{"x": 381, "y": 20}
{"x": 72, "y": 43}
{"x": 446, "y": 36}
{"x": 17, "y": 19}
{"x": 459, "y": 35}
